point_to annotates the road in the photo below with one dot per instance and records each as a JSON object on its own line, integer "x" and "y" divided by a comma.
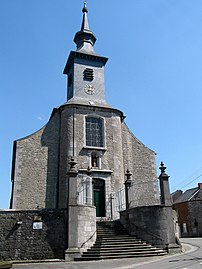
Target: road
{"x": 189, "y": 260}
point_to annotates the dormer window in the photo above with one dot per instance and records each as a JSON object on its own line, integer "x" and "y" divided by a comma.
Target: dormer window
{"x": 94, "y": 131}
{"x": 88, "y": 74}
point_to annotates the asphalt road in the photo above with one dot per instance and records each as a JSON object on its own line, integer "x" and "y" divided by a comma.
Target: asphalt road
{"x": 191, "y": 259}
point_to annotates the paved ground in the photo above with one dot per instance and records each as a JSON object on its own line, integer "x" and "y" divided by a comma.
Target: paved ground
{"x": 191, "y": 259}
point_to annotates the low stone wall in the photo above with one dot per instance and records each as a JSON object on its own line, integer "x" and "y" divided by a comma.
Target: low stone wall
{"x": 153, "y": 224}
{"x": 33, "y": 234}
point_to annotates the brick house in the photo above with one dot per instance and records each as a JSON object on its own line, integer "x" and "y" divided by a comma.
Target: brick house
{"x": 189, "y": 209}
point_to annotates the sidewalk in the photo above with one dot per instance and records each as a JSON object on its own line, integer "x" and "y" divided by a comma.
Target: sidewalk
{"x": 102, "y": 264}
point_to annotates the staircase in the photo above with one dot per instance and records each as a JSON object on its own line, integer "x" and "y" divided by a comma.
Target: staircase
{"x": 113, "y": 242}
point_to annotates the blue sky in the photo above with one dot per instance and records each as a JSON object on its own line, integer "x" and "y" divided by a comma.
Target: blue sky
{"x": 154, "y": 73}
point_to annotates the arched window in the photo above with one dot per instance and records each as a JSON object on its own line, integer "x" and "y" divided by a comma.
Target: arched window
{"x": 94, "y": 132}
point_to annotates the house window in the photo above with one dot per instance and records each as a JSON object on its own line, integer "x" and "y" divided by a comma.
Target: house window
{"x": 94, "y": 132}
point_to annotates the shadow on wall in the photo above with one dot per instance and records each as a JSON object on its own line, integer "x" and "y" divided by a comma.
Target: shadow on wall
{"x": 51, "y": 139}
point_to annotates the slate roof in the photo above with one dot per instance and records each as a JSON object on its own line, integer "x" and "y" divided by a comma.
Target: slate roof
{"x": 187, "y": 195}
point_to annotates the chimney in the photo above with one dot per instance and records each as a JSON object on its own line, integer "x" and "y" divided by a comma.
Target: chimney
{"x": 200, "y": 186}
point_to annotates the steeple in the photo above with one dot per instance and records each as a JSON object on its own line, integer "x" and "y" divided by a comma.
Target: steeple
{"x": 85, "y": 38}
{"x": 85, "y": 69}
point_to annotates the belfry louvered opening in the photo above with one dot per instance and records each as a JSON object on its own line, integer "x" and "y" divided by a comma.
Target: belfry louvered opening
{"x": 88, "y": 74}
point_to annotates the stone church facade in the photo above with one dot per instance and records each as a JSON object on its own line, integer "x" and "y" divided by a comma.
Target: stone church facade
{"x": 82, "y": 167}
{"x": 87, "y": 128}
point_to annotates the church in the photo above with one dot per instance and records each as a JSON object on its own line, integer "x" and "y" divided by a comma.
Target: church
{"x": 88, "y": 129}
{"x": 87, "y": 165}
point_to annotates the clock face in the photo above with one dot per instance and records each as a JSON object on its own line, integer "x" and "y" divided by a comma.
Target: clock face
{"x": 89, "y": 89}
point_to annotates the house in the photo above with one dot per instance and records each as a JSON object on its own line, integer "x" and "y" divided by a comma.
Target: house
{"x": 189, "y": 209}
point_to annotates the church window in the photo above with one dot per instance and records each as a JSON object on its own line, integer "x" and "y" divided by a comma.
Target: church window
{"x": 94, "y": 132}
{"x": 88, "y": 74}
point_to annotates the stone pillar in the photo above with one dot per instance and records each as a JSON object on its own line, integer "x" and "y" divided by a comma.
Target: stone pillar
{"x": 166, "y": 201}
{"x": 127, "y": 184}
{"x": 73, "y": 251}
{"x": 164, "y": 187}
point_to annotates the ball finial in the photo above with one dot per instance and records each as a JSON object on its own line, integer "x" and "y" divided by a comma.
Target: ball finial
{"x": 84, "y": 7}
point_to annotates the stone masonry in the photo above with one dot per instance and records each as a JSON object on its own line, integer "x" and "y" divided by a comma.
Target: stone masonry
{"x": 20, "y": 241}
{"x": 41, "y": 159}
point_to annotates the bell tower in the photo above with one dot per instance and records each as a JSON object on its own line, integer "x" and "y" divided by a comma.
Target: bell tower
{"x": 85, "y": 69}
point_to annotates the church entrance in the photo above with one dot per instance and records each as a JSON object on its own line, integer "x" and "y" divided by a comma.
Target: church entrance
{"x": 99, "y": 196}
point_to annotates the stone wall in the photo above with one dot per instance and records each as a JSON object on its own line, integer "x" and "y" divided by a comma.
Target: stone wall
{"x": 35, "y": 168}
{"x": 19, "y": 241}
{"x": 41, "y": 159}
{"x": 151, "y": 223}
{"x": 73, "y": 143}
{"x": 140, "y": 160}
{"x": 194, "y": 218}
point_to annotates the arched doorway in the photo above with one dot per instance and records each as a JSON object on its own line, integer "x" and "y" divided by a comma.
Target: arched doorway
{"x": 99, "y": 196}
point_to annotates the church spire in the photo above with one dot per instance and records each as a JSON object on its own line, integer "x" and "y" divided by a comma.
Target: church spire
{"x": 85, "y": 25}
{"x": 85, "y": 38}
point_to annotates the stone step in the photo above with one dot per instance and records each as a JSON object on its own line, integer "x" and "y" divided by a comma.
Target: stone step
{"x": 123, "y": 239}
{"x": 118, "y": 251}
{"x": 118, "y": 243}
{"x": 112, "y": 232}
{"x": 116, "y": 232}
{"x": 111, "y": 245}
{"x": 121, "y": 256}
{"x": 113, "y": 242}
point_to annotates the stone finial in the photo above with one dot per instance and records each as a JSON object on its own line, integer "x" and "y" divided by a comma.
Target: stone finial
{"x": 128, "y": 174}
{"x": 162, "y": 168}
{"x": 72, "y": 164}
